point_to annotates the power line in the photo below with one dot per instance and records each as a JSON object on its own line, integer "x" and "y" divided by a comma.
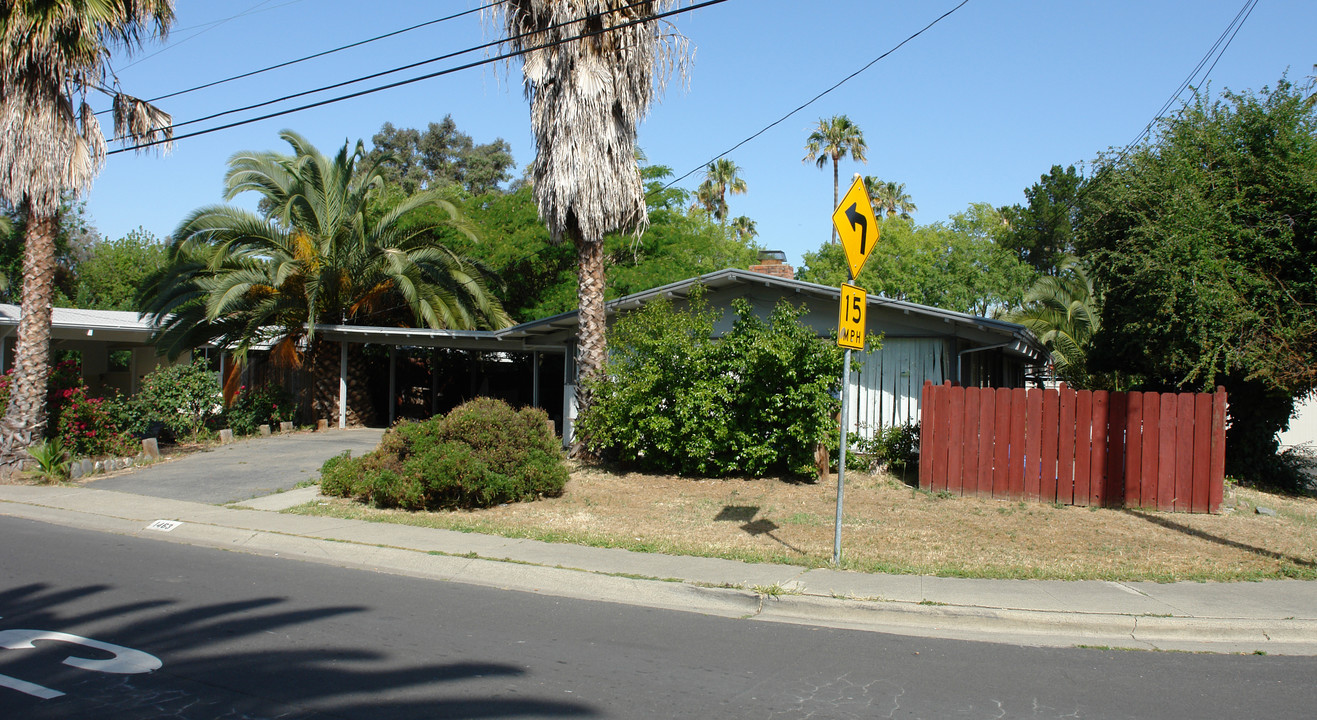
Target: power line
{"x": 313, "y": 56}
{"x": 207, "y": 27}
{"x": 400, "y": 83}
{"x": 814, "y": 99}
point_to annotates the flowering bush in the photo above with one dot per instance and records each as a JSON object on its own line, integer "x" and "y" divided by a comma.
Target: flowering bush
{"x": 86, "y": 427}
{"x": 253, "y": 407}
{"x": 183, "y": 398}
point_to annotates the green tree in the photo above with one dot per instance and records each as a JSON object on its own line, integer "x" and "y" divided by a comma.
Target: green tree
{"x": 236, "y": 280}
{"x": 51, "y": 55}
{"x": 1203, "y": 242}
{"x": 414, "y": 160}
{"x": 113, "y": 271}
{"x": 834, "y": 138}
{"x": 755, "y": 402}
{"x": 73, "y": 238}
{"x": 955, "y": 265}
{"x": 722, "y": 176}
{"x": 587, "y": 94}
{"x": 1042, "y": 232}
{"x": 745, "y": 228}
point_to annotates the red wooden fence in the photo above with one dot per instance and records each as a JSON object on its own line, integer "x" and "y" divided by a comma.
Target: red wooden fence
{"x": 1140, "y": 449}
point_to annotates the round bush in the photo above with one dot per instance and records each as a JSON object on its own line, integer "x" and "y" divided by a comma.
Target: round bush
{"x": 481, "y": 454}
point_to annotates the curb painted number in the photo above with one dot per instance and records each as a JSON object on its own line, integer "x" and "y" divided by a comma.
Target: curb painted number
{"x": 126, "y": 661}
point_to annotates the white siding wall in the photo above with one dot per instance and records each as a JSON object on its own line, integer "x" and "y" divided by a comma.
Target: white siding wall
{"x": 886, "y": 390}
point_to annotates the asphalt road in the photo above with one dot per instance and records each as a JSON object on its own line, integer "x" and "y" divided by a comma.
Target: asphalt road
{"x": 248, "y": 468}
{"x": 156, "y": 629}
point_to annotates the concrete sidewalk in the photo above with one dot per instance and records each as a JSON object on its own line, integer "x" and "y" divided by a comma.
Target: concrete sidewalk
{"x": 1276, "y": 617}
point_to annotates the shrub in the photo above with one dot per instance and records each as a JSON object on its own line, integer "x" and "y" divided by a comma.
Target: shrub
{"x": 181, "y": 397}
{"x": 87, "y": 426}
{"x": 253, "y": 407}
{"x": 896, "y": 446}
{"x": 481, "y": 454}
{"x": 673, "y": 399}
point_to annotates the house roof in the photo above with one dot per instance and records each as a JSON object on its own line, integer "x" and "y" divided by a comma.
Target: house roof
{"x": 1015, "y": 339}
{"x": 78, "y": 324}
{"x": 551, "y": 333}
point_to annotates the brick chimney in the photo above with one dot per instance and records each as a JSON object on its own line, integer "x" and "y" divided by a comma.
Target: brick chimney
{"x": 774, "y": 262}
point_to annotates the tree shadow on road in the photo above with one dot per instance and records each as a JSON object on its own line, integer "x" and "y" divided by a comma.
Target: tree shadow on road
{"x": 237, "y": 660}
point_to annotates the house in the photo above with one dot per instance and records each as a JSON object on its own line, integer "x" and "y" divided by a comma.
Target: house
{"x": 532, "y": 363}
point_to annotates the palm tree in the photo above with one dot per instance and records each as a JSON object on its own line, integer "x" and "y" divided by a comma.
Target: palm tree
{"x": 591, "y": 69}
{"x": 746, "y": 229}
{"x": 720, "y": 177}
{"x": 835, "y": 138}
{"x": 317, "y": 257}
{"x": 1063, "y": 312}
{"x": 889, "y": 197}
{"x": 51, "y": 55}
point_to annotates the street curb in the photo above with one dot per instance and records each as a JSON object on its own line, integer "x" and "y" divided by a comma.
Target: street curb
{"x": 1046, "y": 628}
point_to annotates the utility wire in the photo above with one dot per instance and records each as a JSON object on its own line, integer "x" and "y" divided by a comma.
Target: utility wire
{"x": 448, "y": 71}
{"x": 205, "y": 28}
{"x": 320, "y": 54}
{"x": 814, "y": 99}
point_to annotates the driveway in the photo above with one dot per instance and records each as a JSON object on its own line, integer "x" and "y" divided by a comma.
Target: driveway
{"x": 245, "y": 469}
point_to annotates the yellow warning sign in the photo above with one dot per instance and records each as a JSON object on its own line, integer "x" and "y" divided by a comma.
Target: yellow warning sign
{"x": 856, "y": 225}
{"x": 850, "y": 324}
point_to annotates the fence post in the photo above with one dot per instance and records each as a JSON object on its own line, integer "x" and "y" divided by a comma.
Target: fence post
{"x": 927, "y": 421}
{"x": 1217, "y": 471}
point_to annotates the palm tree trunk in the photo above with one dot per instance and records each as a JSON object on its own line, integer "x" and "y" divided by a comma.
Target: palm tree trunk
{"x": 836, "y": 187}
{"x": 25, "y": 418}
{"x": 592, "y": 324}
{"x": 325, "y": 366}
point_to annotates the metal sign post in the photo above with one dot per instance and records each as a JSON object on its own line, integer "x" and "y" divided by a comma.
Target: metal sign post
{"x": 858, "y": 229}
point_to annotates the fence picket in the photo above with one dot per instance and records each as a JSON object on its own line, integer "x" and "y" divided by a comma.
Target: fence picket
{"x": 1150, "y": 496}
{"x": 1202, "y": 452}
{"x": 1117, "y": 416}
{"x": 1019, "y": 413}
{"x": 1047, "y": 454}
{"x": 1166, "y": 455}
{"x": 1184, "y": 451}
{"x": 1083, "y": 445}
{"x": 967, "y": 483}
{"x": 1002, "y": 453}
{"x": 1133, "y": 449}
{"x": 987, "y": 438}
{"x": 1217, "y": 467}
{"x": 955, "y": 439}
{"x": 1097, "y": 474}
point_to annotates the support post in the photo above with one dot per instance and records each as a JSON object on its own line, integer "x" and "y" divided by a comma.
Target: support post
{"x": 535, "y": 378}
{"x": 841, "y": 455}
{"x": 393, "y": 383}
{"x": 343, "y": 385}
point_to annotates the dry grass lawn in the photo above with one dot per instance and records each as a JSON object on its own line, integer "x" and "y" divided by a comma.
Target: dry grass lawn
{"x": 891, "y": 527}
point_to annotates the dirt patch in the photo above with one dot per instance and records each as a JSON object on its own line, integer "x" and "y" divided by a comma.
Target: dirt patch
{"x": 891, "y": 527}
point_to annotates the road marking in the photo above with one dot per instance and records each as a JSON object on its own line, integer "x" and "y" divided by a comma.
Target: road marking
{"x": 28, "y": 688}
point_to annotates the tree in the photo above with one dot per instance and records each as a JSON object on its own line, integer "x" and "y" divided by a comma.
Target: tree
{"x": 113, "y": 272}
{"x": 318, "y": 257}
{"x": 1063, "y": 312}
{"x": 835, "y": 138}
{"x": 1203, "y": 242}
{"x": 1042, "y": 232}
{"x": 591, "y": 70}
{"x": 889, "y": 197}
{"x": 73, "y": 240}
{"x": 722, "y": 176}
{"x": 51, "y": 55}
{"x": 745, "y": 228}
{"x": 414, "y": 160}
{"x": 955, "y": 265}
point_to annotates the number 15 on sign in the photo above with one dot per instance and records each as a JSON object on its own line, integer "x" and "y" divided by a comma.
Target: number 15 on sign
{"x": 850, "y": 325}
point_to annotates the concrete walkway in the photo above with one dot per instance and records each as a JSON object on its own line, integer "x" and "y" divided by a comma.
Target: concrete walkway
{"x": 1276, "y": 617}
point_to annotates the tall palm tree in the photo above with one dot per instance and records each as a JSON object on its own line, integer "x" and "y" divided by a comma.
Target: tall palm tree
{"x": 317, "y": 257}
{"x": 835, "y": 138}
{"x": 1063, "y": 312}
{"x": 591, "y": 70}
{"x": 889, "y": 197}
{"x": 51, "y": 55}
{"x": 722, "y": 176}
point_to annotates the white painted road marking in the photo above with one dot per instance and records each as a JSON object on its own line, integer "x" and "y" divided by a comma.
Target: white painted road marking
{"x": 126, "y": 661}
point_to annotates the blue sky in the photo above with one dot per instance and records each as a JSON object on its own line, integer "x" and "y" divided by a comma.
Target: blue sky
{"x": 974, "y": 110}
